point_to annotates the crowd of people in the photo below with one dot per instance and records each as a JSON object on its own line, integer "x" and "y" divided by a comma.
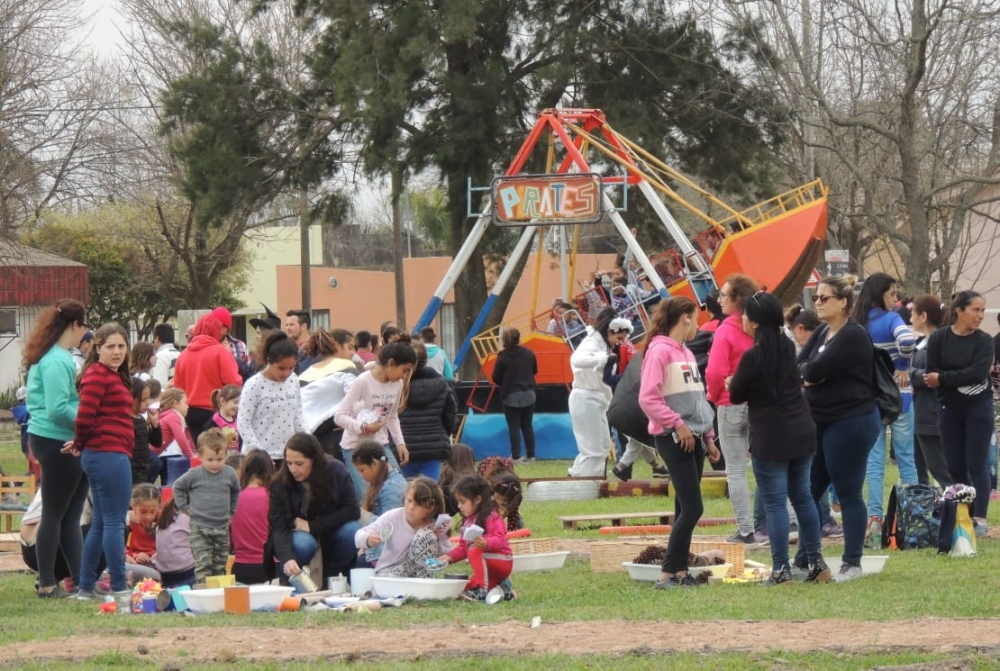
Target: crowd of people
{"x": 790, "y": 394}
{"x": 160, "y": 462}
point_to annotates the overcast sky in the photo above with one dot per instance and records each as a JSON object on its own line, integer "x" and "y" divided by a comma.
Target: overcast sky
{"x": 102, "y": 30}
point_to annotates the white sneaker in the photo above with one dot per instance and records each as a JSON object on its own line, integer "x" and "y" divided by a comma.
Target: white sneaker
{"x": 848, "y": 572}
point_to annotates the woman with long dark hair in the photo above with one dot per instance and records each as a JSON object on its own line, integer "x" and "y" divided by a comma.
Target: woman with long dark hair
{"x": 52, "y": 404}
{"x": 958, "y": 367}
{"x": 837, "y": 366}
{"x": 927, "y": 316}
{"x": 680, "y": 420}
{"x": 104, "y": 441}
{"x": 782, "y": 434}
{"x": 514, "y": 372}
{"x": 874, "y": 311}
{"x": 591, "y": 395}
{"x": 313, "y": 505}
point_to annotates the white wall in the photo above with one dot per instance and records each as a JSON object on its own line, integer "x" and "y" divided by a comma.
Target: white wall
{"x": 11, "y": 370}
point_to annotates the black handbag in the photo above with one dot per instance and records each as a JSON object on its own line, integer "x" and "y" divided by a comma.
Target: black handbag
{"x": 887, "y": 396}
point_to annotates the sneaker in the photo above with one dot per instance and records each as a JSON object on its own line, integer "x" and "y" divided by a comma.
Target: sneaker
{"x": 820, "y": 572}
{"x": 56, "y": 592}
{"x": 660, "y": 472}
{"x": 873, "y": 538}
{"x": 746, "y": 539}
{"x": 782, "y": 576}
{"x": 476, "y": 594}
{"x": 848, "y": 572}
{"x": 516, "y": 460}
{"x": 981, "y": 528}
{"x": 508, "y": 590}
{"x": 623, "y": 473}
{"x": 84, "y": 595}
{"x": 761, "y": 539}
{"x": 832, "y": 530}
{"x": 687, "y": 581}
{"x": 993, "y": 495}
{"x": 528, "y": 460}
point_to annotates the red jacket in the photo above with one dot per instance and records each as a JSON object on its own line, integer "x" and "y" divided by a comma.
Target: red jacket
{"x": 204, "y": 366}
{"x": 104, "y": 420}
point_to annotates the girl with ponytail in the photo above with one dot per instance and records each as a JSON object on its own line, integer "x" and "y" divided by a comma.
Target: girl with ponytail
{"x": 271, "y": 405}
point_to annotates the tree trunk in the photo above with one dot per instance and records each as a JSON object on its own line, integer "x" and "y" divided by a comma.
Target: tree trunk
{"x": 396, "y": 192}
{"x": 304, "y": 255}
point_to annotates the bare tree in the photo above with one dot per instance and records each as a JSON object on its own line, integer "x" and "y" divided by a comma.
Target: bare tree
{"x": 898, "y": 111}
{"x": 51, "y": 93}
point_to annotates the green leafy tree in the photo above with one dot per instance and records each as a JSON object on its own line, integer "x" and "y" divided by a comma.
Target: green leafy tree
{"x": 455, "y": 85}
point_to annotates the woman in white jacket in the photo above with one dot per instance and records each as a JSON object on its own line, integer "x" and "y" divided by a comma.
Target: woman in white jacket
{"x": 325, "y": 383}
{"x": 591, "y": 395}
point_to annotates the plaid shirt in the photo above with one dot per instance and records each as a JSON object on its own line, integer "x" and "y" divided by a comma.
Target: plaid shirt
{"x": 238, "y": 348}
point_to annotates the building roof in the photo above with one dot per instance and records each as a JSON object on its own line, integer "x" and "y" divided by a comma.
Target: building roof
{"x": 14, "y": 254}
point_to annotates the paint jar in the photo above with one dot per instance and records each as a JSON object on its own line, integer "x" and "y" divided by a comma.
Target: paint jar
{"x": 148, "y": 603}
{"x": 303, "y": 583}
{"x": 337, "y": 585}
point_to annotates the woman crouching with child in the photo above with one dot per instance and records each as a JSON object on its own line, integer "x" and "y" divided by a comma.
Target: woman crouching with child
{"x": 410, "y": 535}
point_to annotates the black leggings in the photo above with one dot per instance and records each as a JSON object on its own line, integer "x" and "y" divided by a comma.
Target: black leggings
{"x": 965, "y": 437}
{"x": 64, "y": 491}
{"x": 518, "y": 424}
{"x": 685, "y": 476}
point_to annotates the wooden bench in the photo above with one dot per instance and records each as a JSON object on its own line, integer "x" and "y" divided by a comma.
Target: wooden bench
{"x": 18, "y": 485}
{"x": 616, "y": 519}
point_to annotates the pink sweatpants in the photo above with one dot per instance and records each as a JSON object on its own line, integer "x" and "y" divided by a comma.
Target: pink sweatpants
{"x": 488, "y": 570}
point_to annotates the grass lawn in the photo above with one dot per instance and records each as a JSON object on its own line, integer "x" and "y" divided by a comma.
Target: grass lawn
{"x": 913, "y": 585}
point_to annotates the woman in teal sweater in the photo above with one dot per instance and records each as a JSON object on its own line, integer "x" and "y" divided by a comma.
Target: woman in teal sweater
{"x": 52, "y": 403}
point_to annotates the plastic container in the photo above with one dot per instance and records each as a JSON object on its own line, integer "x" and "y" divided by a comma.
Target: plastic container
{"x": 547, "y": 561}
{"x": 422, "y": 589}
{"x": 361, "y": 580}
{"x": 262, "y": 597}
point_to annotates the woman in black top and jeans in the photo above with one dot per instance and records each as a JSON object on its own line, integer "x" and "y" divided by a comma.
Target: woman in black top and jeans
{"x": 782, "y": 434}
{"x": 958, "y": 367}
{"x": 836, "y": 366}
{"x": 514, "y": 372}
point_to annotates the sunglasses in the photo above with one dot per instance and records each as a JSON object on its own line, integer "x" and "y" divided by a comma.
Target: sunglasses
{"x": 820, "y": 299}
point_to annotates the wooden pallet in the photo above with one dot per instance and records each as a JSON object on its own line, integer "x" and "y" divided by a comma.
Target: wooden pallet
{"x": 616, "y": 519}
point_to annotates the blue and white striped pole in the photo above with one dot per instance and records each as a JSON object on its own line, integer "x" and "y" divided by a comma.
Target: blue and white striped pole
{"x": 455, "y": 270}
{"x": 522, "y": 245}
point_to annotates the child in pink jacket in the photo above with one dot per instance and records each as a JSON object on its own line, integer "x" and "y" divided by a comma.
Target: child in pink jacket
{"x": 488, "y": 553}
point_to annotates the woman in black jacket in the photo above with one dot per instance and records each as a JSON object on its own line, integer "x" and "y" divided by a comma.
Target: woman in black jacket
{"x": 428, "y": 420}
{"x": 514, "y": 372}
{"x": 927, "y": 316}
{"x": 837, "y": 365}
{"x": 782, "y": 434}
{"x": 313, "y": 505}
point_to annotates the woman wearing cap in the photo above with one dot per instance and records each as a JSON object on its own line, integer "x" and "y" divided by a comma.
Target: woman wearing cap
{"x": 591, "y": 395}
{"x": 52, "y": 405}
{"x": 204, "y": 366}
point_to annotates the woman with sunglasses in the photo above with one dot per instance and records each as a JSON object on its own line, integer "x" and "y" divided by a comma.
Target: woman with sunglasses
{"x": 836, "y": 366}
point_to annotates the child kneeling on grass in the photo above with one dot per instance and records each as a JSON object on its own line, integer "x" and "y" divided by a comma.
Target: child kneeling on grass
{"x": 489, "y": 554}
{"x": 419, "y": 530}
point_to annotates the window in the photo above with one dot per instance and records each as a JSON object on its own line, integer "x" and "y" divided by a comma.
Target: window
{"x": 8, "y": 322}
{"x": 321, "y": 320}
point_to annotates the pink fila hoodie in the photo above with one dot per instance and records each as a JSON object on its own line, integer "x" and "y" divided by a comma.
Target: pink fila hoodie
{"x": 672, "y": 392}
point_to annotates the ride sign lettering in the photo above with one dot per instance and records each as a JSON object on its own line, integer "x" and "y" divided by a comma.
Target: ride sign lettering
{"x": 521, "y": 200}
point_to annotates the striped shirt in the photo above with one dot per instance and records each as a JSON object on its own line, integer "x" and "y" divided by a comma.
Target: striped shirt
{"x": 104, "y": 420}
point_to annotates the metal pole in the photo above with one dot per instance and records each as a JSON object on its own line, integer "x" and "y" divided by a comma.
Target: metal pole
{"x": 633, "y": 245}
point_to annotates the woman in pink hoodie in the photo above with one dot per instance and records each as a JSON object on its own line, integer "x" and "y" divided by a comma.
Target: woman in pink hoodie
{"x": 680, "y": 420}
{"x": 728, "y": 346}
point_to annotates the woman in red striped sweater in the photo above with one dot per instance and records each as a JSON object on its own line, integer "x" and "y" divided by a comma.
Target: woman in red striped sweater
{"x": 104, "y": 439}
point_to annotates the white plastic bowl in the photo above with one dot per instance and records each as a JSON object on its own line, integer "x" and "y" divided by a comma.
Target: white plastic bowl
{"x": 262, "y": 597}
{"x": 651, "y": 572}
{"x": 422, "y": 589}
{"x": 546, "y": 561}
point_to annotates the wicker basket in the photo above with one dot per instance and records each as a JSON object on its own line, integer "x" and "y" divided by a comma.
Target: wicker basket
{"x": 532, "y": 546}
{"x": 608, "y": 556}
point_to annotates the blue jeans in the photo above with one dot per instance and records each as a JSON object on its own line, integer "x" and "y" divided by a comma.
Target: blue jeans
{"x": 902, "y": 445}
{"x": 360, "y": 485}
{"x": 431, "y": 469}
{"x": 339, "y": 553}
{"x": 778, "y": 482}
{"x": 110, "y": 476}
{"x": 841, "y": 459}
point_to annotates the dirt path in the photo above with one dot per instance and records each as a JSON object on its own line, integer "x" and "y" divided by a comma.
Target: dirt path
{"x": 312, "y": 642}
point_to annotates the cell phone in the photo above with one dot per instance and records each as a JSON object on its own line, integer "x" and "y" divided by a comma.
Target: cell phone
{"x": 677, "y": 439}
